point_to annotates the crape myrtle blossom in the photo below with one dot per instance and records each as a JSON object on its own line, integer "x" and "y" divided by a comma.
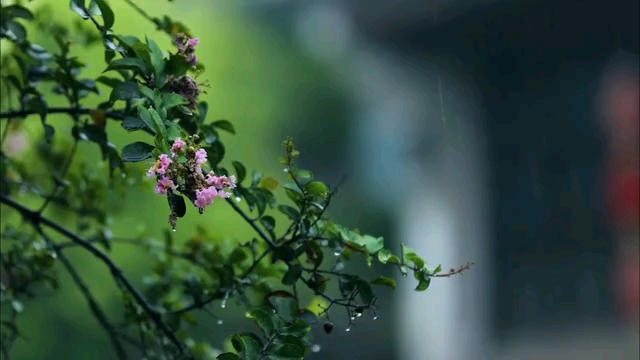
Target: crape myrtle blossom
{"x": 181, "y": 170}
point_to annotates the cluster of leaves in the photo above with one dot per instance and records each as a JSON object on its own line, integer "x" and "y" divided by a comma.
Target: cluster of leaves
{"x": 155, "y": 92}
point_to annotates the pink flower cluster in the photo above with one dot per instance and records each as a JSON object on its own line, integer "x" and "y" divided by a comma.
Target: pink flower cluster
{"x": 187, "y": 47}
{"x": 206, "y": 188}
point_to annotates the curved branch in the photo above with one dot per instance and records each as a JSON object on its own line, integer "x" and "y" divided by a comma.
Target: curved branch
{"x": 93, "y": 304}
{"x": 37, "y": 219}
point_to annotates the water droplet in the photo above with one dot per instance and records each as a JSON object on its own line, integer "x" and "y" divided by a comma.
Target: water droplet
{"x": 358, "y": 314}
{"x": 238, "y": 198}
{"x": 337, "y": 253}
{"x": 285, "y": 170}
{"x": 375, "y": 318}
{"x": 348, "y": 329}
{"x": 353, "y": 318}
{"x": 220, "y": 322}
{"x": 223, "y": 305}
{"x": 174, "y": 230}
{"x": 315, "y": 348}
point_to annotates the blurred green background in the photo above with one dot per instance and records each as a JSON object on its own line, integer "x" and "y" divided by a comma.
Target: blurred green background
{"x": 254, "y": 80}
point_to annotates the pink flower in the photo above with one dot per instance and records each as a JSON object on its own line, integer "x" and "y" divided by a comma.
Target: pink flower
{"x": 161, "y": 166}
{"x": 178, "y": 145}
{"x": 221, "y": 182}
{"x": 223, "y": 194}
{"x": 193, "y": 42}
{"x": 164, "y": 184}
{"x": 205, "y": 197}
{"x": 201, "y": 157}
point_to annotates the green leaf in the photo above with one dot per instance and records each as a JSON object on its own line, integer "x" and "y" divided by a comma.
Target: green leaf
{"x": 148, "y": 93}
{"x": 79, "y": 7}
{"x": 346, "y": 284}
{"x": 372, "y": 244}
{"x": 293, "y": 193}
{"x": 126, "y": 90}
{"x": 157, "y": 121}
{"x": 286, "y": 306}
{"x": 409, "y": 255}
{"x": 215, "y": 153}
{"x": 133, "y": 64}
{"x": 384, "y": 280}
{"x": 209, "y": 133}
{"x": 284, "y": 253}
{"x": 249, "y": 345}
{"x": 110, "y": 82}
{"x": 269, "y": 183}
{"x": 262, "y": 318}
{"x": 287, "y": 346}
{"x": 17, "y": 11}
{"x": 15, "y": 31}
{"x": 365, "y": 291}
{"x": 134, "y": 123}
{"x": 304, "y": 174}
{"x": 386, "y": 256}
{"x": 292, "y": 275}
{"x": 137, "y": 151}
{"x": 268, "y": 222}
{"x": 224, "y": 125}
{"x": 171, "y": 100}
{"x": 145, "y": 116}
{"x": 107, "y": 14}
{"x": 177, "y": 65}
{"x": 228, "y": 356}
{"x": 241, "y": 171}
{"x": 424, "y": 280}
{"x": 308, "y": 318}
{"x": 317, "y": 188}
{"x": 157, "y": 62}
{"x": 177, "y": 204}
{"x": 290, "y": 211}
{"x": 173, "y": 132}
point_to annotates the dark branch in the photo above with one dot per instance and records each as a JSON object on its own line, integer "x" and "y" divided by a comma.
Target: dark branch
{"x": 37, "y": 219}
{"x": 59, "y": 110}
{"x": 93, "y": 304}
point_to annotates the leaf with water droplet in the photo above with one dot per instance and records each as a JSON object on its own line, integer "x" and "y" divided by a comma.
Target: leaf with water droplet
{"x": 262, "y": 319}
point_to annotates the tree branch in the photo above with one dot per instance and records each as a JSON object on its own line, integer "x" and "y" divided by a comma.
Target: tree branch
{"x": 59, "y": 110}
{"x": 93, "y": 304}
{"x": 37, "y": 219}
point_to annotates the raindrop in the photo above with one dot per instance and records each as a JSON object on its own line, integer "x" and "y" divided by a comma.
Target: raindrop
{"x": 375, "y": 318}
{"x": 358, "y": 314}
{"x": 315, "y": 348}
{"x": 337, "y": 253}
{"x": 348, "y": 329}
{"x": 220, "y": 322}
{"x": 238, "y": 198}
{"x": 285, "y": 170}
{"x": 174, "y": 230}
{"x": 224, "y": 304}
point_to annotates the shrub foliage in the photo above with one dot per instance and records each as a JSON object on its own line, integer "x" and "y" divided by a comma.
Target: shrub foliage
{"x": 154, "y": 91}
